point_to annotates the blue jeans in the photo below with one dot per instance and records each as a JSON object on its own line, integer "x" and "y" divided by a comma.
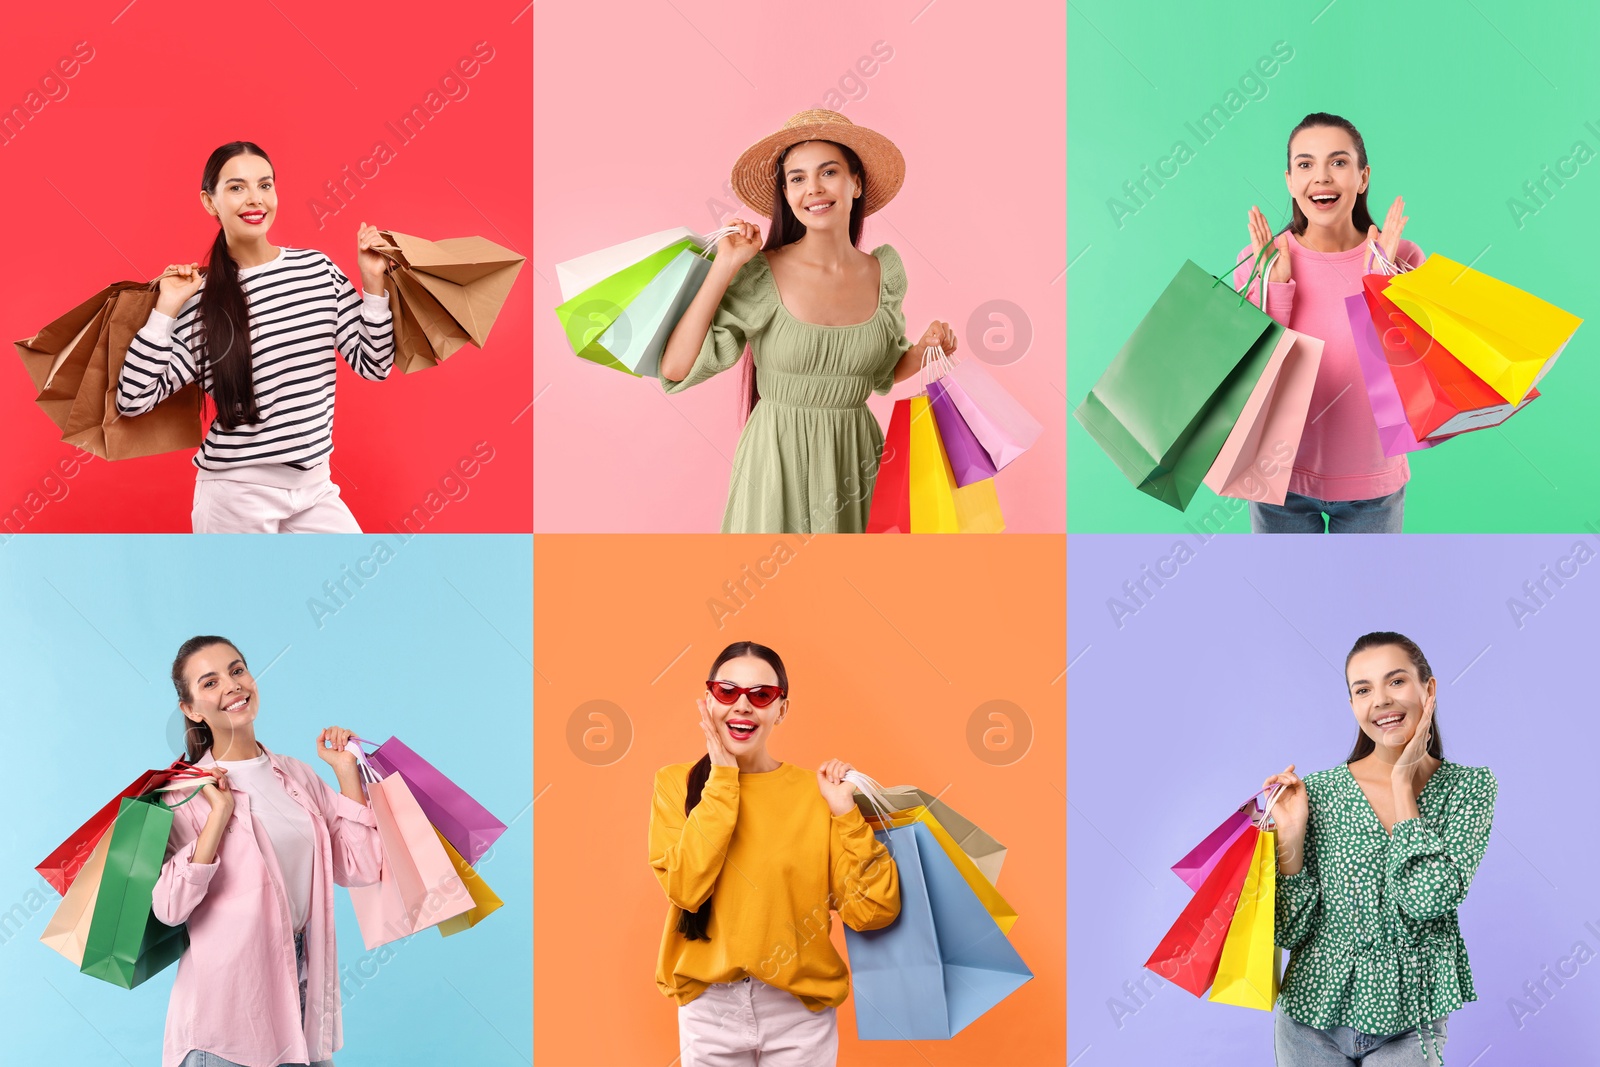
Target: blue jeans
{"x": 1303, "y": 514}
{"x": 199, "y": 1058}
{"x": 1299, "y": 1045}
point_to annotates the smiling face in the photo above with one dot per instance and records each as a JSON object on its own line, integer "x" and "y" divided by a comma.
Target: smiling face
{"x": 743, "y": 726}
{"x": 1325, "y": 175}
{"x": 222, "y": 692}
{"x": 246, "y": 198}
{"x": 1386, "y": 694}
{"x": 818, "y": 185}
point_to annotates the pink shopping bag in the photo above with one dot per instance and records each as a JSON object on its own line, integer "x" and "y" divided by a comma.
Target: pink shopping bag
{"x": 1001, "y": 424}
{"x": 1388, "y": 410}
{"x": 1258, "y": 457}
{"x": 419, "y": 886}
{"x": 1201, "y": 860}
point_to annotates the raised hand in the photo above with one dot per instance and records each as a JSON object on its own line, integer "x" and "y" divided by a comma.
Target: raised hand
{"x": 1261, "y": 237}
{"x": 720, "y": 757}
{"x": 372, "y": 263}
{"x": 940, "y": 334}
{"x": 331, "y": 744}
{"x": 839, "y": 793}
{"x": 737, "y": 249}
{"x": 1394, "y": 225}
{"x": 178, "y": 283}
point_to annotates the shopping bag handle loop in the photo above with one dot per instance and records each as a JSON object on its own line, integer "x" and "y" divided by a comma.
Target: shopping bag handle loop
{"x": 876, "y": 800}
{"x": 709, "y": 241}
{"x": 1258, "y": 270}
{"x": 369, "y": 774}
{"x": 1272, "y": 798}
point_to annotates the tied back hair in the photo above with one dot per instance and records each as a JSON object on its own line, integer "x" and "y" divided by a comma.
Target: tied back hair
{"x": 222, "y": 344}
{"x": 196, "y": 735}
{"x": 786, "y": 229}
{"x": 1364, "y": 745}
{"x": 693, "y": 924}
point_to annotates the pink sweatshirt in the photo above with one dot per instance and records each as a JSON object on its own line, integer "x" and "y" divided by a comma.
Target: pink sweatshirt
{"x": 1340, "y": 457}
{"x": 237, "y": 993}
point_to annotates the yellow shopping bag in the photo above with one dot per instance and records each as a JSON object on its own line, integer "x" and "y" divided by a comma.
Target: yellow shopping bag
{"x": 1004, "y": 915}
{"x": 938, "y": 505}
{"x": 1247, "y": 974}
{"x": 483, "y": 898}
{"x": 1507, "y": 337}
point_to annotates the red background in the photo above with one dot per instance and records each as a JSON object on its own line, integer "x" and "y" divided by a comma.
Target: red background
{"x": 101, "y": 184}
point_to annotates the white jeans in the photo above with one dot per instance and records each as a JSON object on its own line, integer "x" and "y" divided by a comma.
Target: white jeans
{"x": 225, "y": 506}
{"x": 741, "y": 1024}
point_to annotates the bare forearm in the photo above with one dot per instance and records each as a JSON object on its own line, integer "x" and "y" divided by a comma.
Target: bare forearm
{"x": 677, "y": 359}
{"x": 1291, "y": 854}
{"x": 910, "y": 363}
{"x": 350, "y": 784}
{"x": 1405, "y": 801}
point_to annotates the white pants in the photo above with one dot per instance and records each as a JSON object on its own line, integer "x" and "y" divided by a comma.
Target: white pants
{"x": 225, "y": 506}
{"x": 741, "y": 1024}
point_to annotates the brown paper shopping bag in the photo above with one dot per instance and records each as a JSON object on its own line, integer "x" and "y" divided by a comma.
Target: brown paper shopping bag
{"x": 68, "y": 929}
{"x": 74, "y": 363}
{"x": 447, "y": 293}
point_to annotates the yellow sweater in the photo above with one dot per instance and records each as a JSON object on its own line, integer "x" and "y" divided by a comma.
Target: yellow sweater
{"x": 777, "y": 861}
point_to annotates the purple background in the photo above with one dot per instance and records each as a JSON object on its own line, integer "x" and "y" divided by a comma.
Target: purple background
{"x": 1234, "y": 669}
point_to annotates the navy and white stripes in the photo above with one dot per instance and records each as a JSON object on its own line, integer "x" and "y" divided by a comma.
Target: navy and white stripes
{"x": 302, "y": 309}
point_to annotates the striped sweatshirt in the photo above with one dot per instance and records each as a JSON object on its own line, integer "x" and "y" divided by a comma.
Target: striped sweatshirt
{"x": 302, "y": 308}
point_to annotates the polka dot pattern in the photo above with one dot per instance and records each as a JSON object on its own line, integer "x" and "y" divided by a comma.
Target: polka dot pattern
{"x": 1370, "y": 919}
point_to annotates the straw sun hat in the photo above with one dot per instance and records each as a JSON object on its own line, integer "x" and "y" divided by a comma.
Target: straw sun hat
{"x": 886, "y": 168}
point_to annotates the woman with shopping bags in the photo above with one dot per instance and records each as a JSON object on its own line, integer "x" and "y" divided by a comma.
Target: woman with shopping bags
{"x": 823, "y": 321}
{"x": 250, "y": 868}
{"x": 753, "y": 854}
{"x": 262, "y": 332}
{"x": 1374, "y": 858}
{"x": 1342, "y": 481}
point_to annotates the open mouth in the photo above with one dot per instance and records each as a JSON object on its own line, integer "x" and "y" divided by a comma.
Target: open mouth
{"x": 1324, "y": 201}
{"x": 238, "y": 704}
{"x": 741, "y": 729}
{"x": 1389, "y": 722}
{"x": 253, "y": 218}
{"x": 819, "y": 208}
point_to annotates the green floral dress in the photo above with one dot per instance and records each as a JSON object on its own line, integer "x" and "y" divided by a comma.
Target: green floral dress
{"x": 808, "y": 457}
{"x": 1370, "y": 919}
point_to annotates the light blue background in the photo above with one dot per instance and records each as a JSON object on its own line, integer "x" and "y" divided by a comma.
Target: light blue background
{"x": 434, "y": 647}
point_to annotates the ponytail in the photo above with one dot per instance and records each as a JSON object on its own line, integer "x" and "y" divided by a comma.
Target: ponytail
{"x": 222, "y": 345}
{"x": 692, "y": 924}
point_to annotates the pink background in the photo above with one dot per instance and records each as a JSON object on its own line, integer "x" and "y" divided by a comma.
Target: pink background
{"x": 640, "y": 112}
{"x": 102, "y": 185}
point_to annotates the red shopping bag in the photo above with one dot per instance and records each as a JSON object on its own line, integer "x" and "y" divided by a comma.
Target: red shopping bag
{"x": 1188, "y": 955}
{"x": 891, "y": 493}
{"x": 1441, "y": 396}
{"x": 62, "y": 866}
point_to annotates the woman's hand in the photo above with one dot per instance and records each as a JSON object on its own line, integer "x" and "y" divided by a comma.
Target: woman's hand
{"x": 940, "y": 334}
{"x": 330, "y": 746}
{"x": 219, "y": 795}
{"x": 1414, "y": 758}
{"x": 179, "y": 282}
{"x": 372, "y": 264}
{"x": 737, "y": 249}
{"x": 1291, "y": 810}
{"x": 1261, "y": 237}
{"x": 1394, "y": 225}
{"x": 839, "y": 793}
{"x": 714, "y": 746}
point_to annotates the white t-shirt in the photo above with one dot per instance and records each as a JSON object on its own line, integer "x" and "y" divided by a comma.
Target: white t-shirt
{"x": 287, "y": 825}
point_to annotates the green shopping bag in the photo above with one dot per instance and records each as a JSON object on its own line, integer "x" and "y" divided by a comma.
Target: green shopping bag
{"x": 1167, "y": 403}
{"x": 591, "y": 314}
{"x": 126, "y": 942}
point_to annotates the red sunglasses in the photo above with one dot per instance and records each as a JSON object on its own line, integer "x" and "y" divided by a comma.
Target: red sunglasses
{"x": 760, "y": 695}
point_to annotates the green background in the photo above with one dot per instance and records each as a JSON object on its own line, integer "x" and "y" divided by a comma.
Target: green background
{"x": 1460, "y": 104}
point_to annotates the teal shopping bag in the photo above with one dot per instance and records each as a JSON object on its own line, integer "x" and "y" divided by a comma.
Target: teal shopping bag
{"x": 598, "y": 311}
{"x": 942, "y": 963}
{"x": 1167, "y": 403}
{"x": 126, "y": 942}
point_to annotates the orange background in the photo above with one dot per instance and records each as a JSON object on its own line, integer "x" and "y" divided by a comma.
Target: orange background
{"x": 891, "y": 644}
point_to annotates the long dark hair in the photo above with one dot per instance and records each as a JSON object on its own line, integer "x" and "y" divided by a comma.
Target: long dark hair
{"x": 224, "y": 314}
{"x": 692, "y": 924}
{"x": 1364, "y": 745}
{"x": 196, "y": 735}
{"x": 786, "y": 229}
{"x": 1359, "y": 215}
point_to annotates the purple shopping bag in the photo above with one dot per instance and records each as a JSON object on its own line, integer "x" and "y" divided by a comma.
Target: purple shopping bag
{"x": 1203, "y": 858}
{"x": 465, "y": 823}
{"x": 1002, "y": 425}
{"x": 1388, "y": 410}
{"x": 968, "y": 461}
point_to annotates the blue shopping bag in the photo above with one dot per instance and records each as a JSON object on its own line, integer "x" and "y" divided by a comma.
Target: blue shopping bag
{"x": 942, "y": 963}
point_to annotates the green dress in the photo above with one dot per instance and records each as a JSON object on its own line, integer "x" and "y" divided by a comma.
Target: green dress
{"x": 1370, "y": 919}
{"x": 808, "y": 457}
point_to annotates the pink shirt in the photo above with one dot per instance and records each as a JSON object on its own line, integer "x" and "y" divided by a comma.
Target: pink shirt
{"x": 237, "y": 992}
{"x": 1340, "y": 457}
